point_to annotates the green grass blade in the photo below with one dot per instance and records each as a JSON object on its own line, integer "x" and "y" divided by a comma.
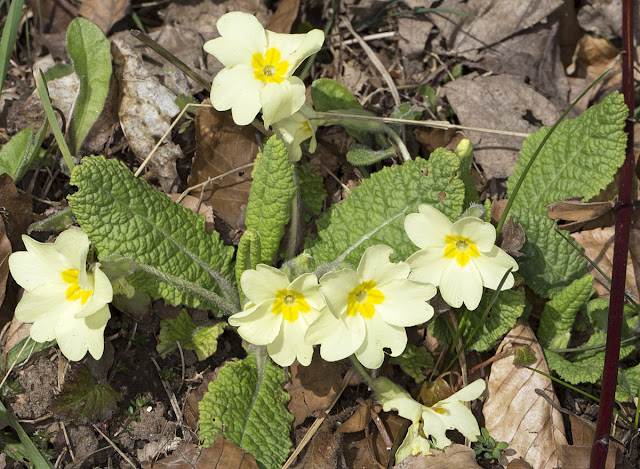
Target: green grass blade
{"x": 8, "y": 40}
{"x": 36, "y": 457}
{"x": 51, "y": 117}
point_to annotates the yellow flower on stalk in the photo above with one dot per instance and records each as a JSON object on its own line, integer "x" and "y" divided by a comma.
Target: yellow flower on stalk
{"x": 296, "y": 129}
{"x": 461, "y": 258}
{"x": 278, "y": 313}
{"x": 259, "y": 66}
{"x": 369, "y": 309}
{"x": 430, "y": 423}
{"x": 62, "y": 300}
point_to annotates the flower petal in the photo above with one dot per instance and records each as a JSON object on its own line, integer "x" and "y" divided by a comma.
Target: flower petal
{"x": 493, "y": 266}
{"x": 237, "y": 89}
{"x": 380, "y": 335}
{"x": 46, "y": 301}
{"x": 294, "y": 48}
{"x": 101, "y": 295}
{"x": 413, "y": 444}
{"x": 405, "y": 303}
{"x": 481, "y": 233}
{"x": 375, "y": 265}
{"x": 290, "y": 345}
{"x": 339, "y": 338}
{"x": 308, "y": 285}
{"x": 261, "y": 327}
{"x": 242, "y": 35}
{"x": 427, "y": 228}
{"x": 469, "y": 392}
{"x": 263, "y": 282}
{"x": 281, "y": 100}
{"x": 427, "y": 265}
{"x": 461, "y": 285}
{"x": 31, "y": 270}
{"x": 336, "y": 286}
{"x": 77, "y": 336}
{"x": 436, "y": 427}
{"x": 73, "y": 246}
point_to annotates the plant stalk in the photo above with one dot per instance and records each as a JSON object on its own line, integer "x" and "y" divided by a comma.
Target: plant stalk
{"x": 624, "y": 209}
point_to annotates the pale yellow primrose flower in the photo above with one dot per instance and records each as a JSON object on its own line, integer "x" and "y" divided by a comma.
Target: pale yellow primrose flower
{"x": 62, "y": 300}
{"x": 434, "y": 421}
{"x": 458, "y": 257}
{"x": 278, "y": 313}
{"x": 369, "y": 309}
{"x": 296, "y": 129}
{"x": 259, "y": 66}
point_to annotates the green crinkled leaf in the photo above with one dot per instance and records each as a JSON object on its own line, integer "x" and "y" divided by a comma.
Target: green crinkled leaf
{"x": 628, "y": 383}
{"x": 124, "y": 216}
{"x": 579, "y": 159}
{"x": 14, "y": 153}
{"x": 312, "y": 191}
{"x": 374, "y": 212}
{"x": 508, "y": 307}
{"x": 413, "y": 360}
{"x": 583, "y": 367}
{"x": 506, "y": 310}
{"x": 328, "y": 94}
{"x": 83, "y": 399}
{"x": 362, "y": 155}
{"x": 201, "y": 339}
{"x": 90, "y": 54}
{"x": 560, "y": 312}
{"x": 549, "y": 263}
{"x": 272, "y": 191}
{"x": 247, "y": 405}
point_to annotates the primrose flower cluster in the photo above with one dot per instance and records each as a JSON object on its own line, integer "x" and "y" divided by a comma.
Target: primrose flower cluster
{"x": 258, "y": 77}
{"x": 366, "y": 310}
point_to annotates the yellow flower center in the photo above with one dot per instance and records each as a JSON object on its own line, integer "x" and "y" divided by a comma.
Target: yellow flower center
{"x": 289, "y": 303}
{"x": 75, "y": 291}
{"x": 306, "y": 128}
{"x": 363, "y": 299}
{"x": 461, "y": 248}
{"x": 440, "y": 410}
{"x": 269, "y": 68}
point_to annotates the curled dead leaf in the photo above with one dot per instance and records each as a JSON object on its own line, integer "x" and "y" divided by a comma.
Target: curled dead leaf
{"x": 455, "y": 456}
{"x": 598, "y": 246}
{"x": 515, "y": 413}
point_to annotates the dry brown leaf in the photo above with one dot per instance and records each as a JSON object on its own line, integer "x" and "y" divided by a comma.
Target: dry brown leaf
{"x": 146, "y": 111}
{"x": 573, "y": 209}
{"x": 283, "y": 18}
{"x": 191, "y": 410}
{"x": 313, "y": 387}
{"x": 514, "y": 412}
{"x": 192, "y": 203}
{"x": 503, "y": 102}
{"x": 104, "y": 13}
{"x": 17, "y": 215}
{"x": 577, "y": 456}
{"x": 221, "y": 147}
{"x": 368, "y": 452}
{"x": 222, "y": 454}
{"x": 323, "y": 450}
{"x": 593, "y": 55}
{"x": 519, "y": 464}
{"x": 455, "y": 456}
{"x": 598, "y": 246}
{"x": 488, "y": 23}
{"x": 357, "y": 422}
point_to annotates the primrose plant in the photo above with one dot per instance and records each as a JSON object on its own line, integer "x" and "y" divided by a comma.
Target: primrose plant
{"x": 407, "y": 233}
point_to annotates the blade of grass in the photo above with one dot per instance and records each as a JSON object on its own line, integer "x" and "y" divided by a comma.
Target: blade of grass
{"x": 624, "y": 210}
{"x": 512, "y": 196}
{"x": 36, "y": 457}
{"x": 146, "y": 40}
{"x": 9, "y": 36}
{"x": 41, "y": 83}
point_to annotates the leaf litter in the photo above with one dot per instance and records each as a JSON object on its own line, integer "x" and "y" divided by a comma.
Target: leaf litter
{"x": 521, "y": 83}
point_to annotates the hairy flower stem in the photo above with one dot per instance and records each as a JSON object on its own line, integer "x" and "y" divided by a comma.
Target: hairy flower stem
{"x": 624, "y": 209}
{"x": 362, "y": 371}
